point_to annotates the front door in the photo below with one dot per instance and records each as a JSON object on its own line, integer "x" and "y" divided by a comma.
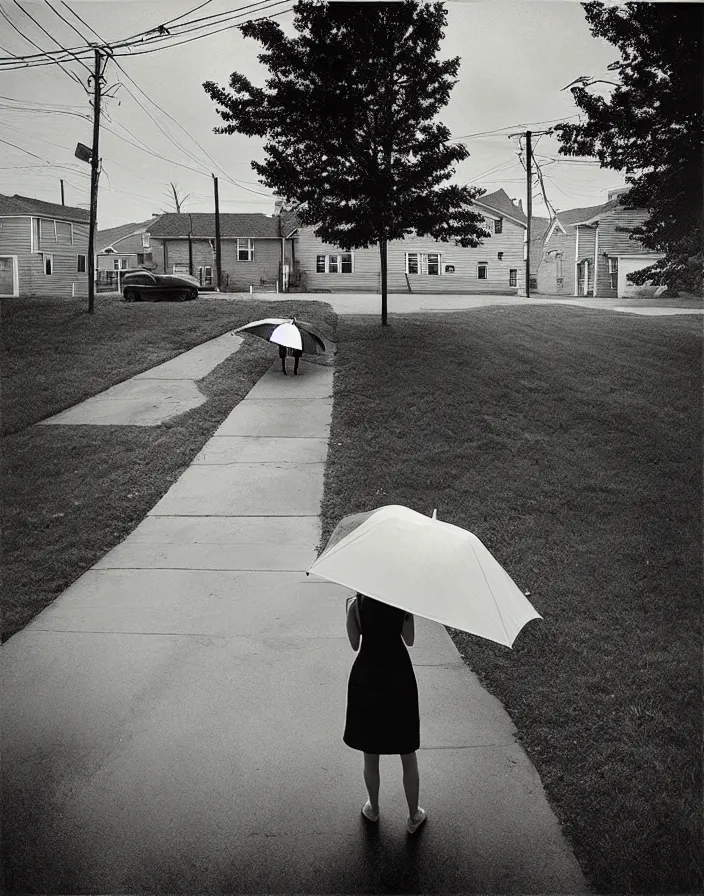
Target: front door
{"x": 583, "y": 273}
{"x": 7, "y": 278}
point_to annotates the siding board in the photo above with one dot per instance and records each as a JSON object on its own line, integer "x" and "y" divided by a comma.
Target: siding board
{"x": 366, "y": 275}
{"x": 65, "y": 280}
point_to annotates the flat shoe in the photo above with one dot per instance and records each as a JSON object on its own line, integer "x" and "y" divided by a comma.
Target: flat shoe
{"x": 412, "y": 826}
{"x": 367, "y": 812}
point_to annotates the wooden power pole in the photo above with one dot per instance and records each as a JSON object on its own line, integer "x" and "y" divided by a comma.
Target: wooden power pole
{"x": 218, "y": 269}
{"x": 529, "y": 194}
{"x": 94, "y": 175}
{"x": 529, "y": 206}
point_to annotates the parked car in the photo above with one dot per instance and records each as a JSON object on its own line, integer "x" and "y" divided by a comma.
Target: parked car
{"x": 143, "y": 286}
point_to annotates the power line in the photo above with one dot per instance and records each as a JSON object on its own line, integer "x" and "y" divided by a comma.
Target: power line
{"x": 226, "y": 15}
{"x": 73, "y": 13}
{"x": 70, "y": 74}
{"x": 209, "y": 33}
{"x": 50, "y": 36}
{"x": 63, "y": 19}
{"x": 128, "y": 43}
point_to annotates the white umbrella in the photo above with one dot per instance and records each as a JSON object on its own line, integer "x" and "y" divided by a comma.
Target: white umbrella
{"x": 289, "y": 332}
{"x": 426, "y": 567}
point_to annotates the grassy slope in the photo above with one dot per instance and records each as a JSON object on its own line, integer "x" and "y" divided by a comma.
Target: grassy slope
{"x": 569, "y": 441}
{"x": 70, "y": 493}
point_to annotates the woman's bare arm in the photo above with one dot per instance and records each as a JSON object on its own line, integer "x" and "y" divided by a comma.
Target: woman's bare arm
{"x": 353, "y": 631}
{"x": 408, "y": 632}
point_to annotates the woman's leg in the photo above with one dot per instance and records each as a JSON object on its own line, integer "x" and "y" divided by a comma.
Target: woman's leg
{"x": 372, "y": 779}
{"x": 411, "y": 781}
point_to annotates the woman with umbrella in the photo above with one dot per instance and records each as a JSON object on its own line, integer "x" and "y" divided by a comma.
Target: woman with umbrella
{"x": 411, "y": 564}
{"x": 382, "y": 699}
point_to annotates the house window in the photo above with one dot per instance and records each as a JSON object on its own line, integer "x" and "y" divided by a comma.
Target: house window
{"x": 558, "y": 266}
{"x": 423, "y": 263}
{"x": 116, "y": 264}
{"x": 245, "y": 250}
{"x": 342, "y": 263}
{"x": 180, "y": 268}
{"x": 513, "y": 277}
{"x": 145, "y": 240}
{"x": 81, "y": 264}
{"x": 499, "y": 225}
{"x": 533, "y": 282}
{"x": 613, "y": 273}
{"x": 47, "y": 230}
{"x": 48, "y": 264}
{"x": 64, "y": 233}
{"x": 482, "y": 270}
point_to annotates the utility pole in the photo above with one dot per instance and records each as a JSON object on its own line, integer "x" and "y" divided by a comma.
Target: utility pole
{"x": 529, "y": 206}
{"x": 62, "y": 193}
{"x": 218, "y": 272}
{"x": 529, "y": 193}
{"x": 94, "y": 174}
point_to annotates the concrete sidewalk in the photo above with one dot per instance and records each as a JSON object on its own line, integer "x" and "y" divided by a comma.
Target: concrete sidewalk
{"x": 173, "y": 722}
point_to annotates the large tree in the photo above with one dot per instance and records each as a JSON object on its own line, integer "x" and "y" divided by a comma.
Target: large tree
{"x": 652, "y": 128}
{"x": 348, "y": 113}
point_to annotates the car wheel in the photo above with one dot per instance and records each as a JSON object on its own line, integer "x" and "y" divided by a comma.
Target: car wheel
{"x": 183, "y": 295}
{"x": 193, "y": 294}
{"x": 130, "y": 295}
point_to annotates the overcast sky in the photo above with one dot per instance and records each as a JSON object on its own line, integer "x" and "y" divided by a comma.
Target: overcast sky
{"x": 516, "y": 55}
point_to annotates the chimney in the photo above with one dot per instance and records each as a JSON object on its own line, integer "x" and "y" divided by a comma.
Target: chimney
{"x": 519, "y": 205}
{"x": 278, "y": 206}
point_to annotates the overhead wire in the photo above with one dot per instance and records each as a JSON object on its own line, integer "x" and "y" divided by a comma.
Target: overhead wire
{"x": 72, "y": 75}
{"x": 176, "y": 122}
{"x": 51, "y": 36}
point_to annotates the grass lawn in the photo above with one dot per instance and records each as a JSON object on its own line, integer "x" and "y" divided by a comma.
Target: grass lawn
{"x": 71, "y": 493}
{"x": 569, "y": 441}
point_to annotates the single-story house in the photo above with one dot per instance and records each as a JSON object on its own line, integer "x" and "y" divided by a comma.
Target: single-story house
{"x": 122, "y": 248}
{"x": 588, "y": 251}
{"x": 43, "y": 248}
{"x": 252, "y": 249}
{"x": 419, "y": 264}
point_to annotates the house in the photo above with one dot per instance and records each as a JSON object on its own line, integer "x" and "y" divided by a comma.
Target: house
{"x": 588, "y": 251}
{"x": 419, "y": 264}
{"x": 43, "y": 248}
{"x": 122, "y": 248}
{"x": 252, "y": 249}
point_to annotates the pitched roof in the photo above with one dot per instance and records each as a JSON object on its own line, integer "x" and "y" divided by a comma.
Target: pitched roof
{"x": 24, "y": 205}
{"x": 112, "y": 235}
{"x": 499, "y": 202}
{"x": 201, "y": 225}
{"x": 573, "y": 216}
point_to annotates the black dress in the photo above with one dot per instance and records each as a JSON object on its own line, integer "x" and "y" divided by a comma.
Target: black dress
{"x": 382, "y": 694}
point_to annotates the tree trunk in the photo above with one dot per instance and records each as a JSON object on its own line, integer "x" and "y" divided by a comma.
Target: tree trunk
{"x": 384, "y": 281}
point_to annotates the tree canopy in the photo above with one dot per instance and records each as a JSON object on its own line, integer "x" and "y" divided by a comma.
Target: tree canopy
{"x": 652, "y": 128}
{"x": 348, "y": 112}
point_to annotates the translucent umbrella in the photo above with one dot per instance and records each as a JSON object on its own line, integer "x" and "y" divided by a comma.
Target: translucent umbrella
{"x": 292, "y": 333}
{"x": 426, "y": 567}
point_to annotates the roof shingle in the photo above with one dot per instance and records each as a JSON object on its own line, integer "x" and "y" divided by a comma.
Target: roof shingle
{"x": 112, "y": 235}
{"x": 25, "y": 205}
{"x": 202, "y": 226}
{"x": 500, "y": 202}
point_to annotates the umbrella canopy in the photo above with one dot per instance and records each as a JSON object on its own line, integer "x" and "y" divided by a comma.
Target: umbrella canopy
{"x": 290, "y": 332}
{"x": 426, "y": 567}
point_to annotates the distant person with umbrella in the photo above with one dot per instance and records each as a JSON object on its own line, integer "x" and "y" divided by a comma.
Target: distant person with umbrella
{"x": 382, "y": 699}
{"x": 293, "y": 337}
